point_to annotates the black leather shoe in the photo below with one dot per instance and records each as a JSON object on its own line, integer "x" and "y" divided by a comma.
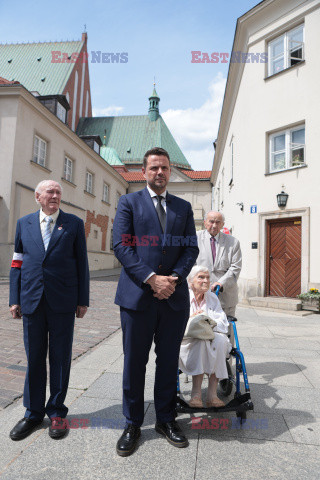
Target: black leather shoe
{"x": 23, "y": 428}
{"x": 173, "y": 433}
{"x": 128, "y": 440}
{"x": 58, "y": 428}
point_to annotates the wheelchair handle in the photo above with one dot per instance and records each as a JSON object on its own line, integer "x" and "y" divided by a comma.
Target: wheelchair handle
{"x": 218, "y": 289}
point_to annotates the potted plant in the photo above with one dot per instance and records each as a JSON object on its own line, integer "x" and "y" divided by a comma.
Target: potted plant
{"x": 311, "y": 299}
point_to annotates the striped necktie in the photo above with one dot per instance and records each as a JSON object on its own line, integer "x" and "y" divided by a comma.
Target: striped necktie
{"x": 47, "y": 232}
{"x": 213, "y": 248}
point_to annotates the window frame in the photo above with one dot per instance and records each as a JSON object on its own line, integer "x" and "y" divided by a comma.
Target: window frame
{"x": 105, "y": 184}
{"x": 118, "y": 195}
{"x": 287, "y": 148}
{"x": 286, "y": 51}
{"x": 68, "y": 159}
{"x": 36, "y": 155}
{"x": 61, "y": 112}
{"x": 86, "y": 184}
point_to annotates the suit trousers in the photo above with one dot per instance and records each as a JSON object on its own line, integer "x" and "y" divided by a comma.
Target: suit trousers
{"x": 165, "y": 326}
{"x": 40, "y": 329}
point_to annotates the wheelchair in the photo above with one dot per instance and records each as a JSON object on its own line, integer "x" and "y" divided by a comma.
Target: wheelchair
{"x": 241, "y": 403}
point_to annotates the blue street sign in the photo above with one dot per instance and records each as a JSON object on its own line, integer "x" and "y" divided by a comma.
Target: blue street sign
{"x": 253, "y": 209}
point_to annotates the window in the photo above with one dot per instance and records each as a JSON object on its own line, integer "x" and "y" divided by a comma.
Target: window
{"x": 89, "y": 182}
{"x": 105, "y": 193}
{"x": 68, "y": 169}
{"x": 61, "y": 112}
{"x": 118, "y": 195}
{"x": 286, "y": 50}
{"x": 39, "y": 151}
{"x": 96, "y": 147}
{"x": 287, "y": 149}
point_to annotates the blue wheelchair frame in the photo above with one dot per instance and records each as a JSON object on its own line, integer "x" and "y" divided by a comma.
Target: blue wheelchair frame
{"x": 241, "y": 402}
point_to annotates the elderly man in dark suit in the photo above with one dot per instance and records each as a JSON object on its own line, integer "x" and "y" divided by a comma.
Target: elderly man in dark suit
{"x": 49, "y": 283}
{"x": 155, "y": 240}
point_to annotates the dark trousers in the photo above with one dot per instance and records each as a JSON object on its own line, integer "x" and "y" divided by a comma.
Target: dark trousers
{"x": 166, "y": 327}
{"x": 40, "y": 329}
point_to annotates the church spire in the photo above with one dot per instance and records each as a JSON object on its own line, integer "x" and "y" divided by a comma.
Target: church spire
{"x": 154, "y": 100}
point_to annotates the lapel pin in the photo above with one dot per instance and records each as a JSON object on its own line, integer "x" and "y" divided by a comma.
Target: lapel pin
{"x": 60, "y": 228}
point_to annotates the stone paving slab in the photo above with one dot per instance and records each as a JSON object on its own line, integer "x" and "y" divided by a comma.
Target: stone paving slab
{"x": 303, "y": 430}
{"x": 247, "y": 459}
{"x": 285, "y": 400}
{"x": 280, "y": 439}
{"x": 101, "y": 320}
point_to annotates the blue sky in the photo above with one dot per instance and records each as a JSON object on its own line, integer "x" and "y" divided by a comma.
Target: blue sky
{"x": 158, "y": 37}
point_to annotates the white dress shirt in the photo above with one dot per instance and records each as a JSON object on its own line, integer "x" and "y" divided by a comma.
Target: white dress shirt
{"x": 154, "y": 198}
{"x": 43, "y": 223}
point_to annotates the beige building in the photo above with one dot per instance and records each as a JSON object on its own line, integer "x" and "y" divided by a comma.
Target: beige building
{"x": 268, "y": 143}
{"x": 193, "y": 186}
{"x": 35, "y": 145}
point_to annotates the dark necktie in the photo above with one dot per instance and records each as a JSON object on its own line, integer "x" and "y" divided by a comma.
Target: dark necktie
{"x": 161, "y": 213}
{"x": 213, "y": 248}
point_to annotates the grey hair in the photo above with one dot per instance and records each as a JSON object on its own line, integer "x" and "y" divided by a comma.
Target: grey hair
{"x": 214, "y": 211}
{"x": 195, "y": 270}
{"x": 41, "y": 185}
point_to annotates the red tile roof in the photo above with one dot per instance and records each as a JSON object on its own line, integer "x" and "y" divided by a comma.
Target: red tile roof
{"x": 3, "y": 81}
{"x": 198, "y": 175}
{"x": 137, "y": 176}
{"x": 133, "y": 176}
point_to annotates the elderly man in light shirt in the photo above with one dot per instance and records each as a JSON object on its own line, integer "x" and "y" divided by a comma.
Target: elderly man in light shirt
{"x": 221, "y": 254}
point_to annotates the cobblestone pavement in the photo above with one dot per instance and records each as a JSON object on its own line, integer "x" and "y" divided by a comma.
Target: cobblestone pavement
{"x": 101, "y": 320}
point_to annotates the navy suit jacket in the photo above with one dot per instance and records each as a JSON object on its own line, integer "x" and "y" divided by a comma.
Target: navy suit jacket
{"x": 142, "y": 248}
{"x": 61, "y": 272}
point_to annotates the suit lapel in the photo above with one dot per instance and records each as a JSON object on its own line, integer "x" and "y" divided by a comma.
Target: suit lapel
{"x": 34, "y": 230}
{"x": 171, "y": 213}
{"x": 58, "y": 230}
{"x": 152, "y": 213}
{"x": 207, "y": 248}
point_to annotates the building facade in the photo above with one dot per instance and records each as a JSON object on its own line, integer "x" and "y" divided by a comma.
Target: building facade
{"x": 52, "y": 68}
{"x": 36, "y": 145}
{"x": 267, "y": 144}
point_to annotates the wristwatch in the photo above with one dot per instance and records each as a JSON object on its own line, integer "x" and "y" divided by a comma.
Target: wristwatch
{"x": 176, "y": 275}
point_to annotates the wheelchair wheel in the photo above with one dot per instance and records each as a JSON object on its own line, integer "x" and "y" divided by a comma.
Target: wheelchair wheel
{"x": 226, "y": 384}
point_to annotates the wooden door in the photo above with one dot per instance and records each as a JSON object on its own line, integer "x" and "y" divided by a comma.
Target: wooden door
{"x": 283, "y": 258}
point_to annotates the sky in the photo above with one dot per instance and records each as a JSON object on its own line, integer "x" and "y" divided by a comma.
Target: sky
{"x": 158, "y": 37}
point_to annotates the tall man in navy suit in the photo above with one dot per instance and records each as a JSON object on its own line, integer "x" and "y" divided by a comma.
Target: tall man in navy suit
{"x": 49, "y": 283}
{"x": 155, "y": 240}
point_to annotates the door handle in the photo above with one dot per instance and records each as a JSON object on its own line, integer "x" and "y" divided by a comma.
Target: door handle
{"x": 271, "y": 257}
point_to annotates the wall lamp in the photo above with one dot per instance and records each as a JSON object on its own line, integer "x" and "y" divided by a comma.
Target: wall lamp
{"x": 282, "y": 199}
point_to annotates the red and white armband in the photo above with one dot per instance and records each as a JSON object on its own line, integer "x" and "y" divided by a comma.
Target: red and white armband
{"x": 17, "y": 260}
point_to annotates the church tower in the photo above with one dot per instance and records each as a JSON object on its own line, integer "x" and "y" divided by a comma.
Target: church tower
{"x": 154, "y": 100}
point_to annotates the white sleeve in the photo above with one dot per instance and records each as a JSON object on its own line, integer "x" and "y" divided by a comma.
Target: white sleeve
{"x": 215, "y": 312}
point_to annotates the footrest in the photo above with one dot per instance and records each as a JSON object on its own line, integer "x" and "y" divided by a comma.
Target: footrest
{"x": 242, "y": 403}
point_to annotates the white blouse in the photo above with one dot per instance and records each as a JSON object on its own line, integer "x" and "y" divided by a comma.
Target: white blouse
{"x": 212, "y": 307}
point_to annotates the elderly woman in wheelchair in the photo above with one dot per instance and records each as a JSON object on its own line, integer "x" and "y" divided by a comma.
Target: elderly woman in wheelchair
{"x": 199, "y": 356}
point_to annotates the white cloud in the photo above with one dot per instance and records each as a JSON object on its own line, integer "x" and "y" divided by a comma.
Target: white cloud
{"x": 195, "y": 129}
{"x": 107, "y": 111}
